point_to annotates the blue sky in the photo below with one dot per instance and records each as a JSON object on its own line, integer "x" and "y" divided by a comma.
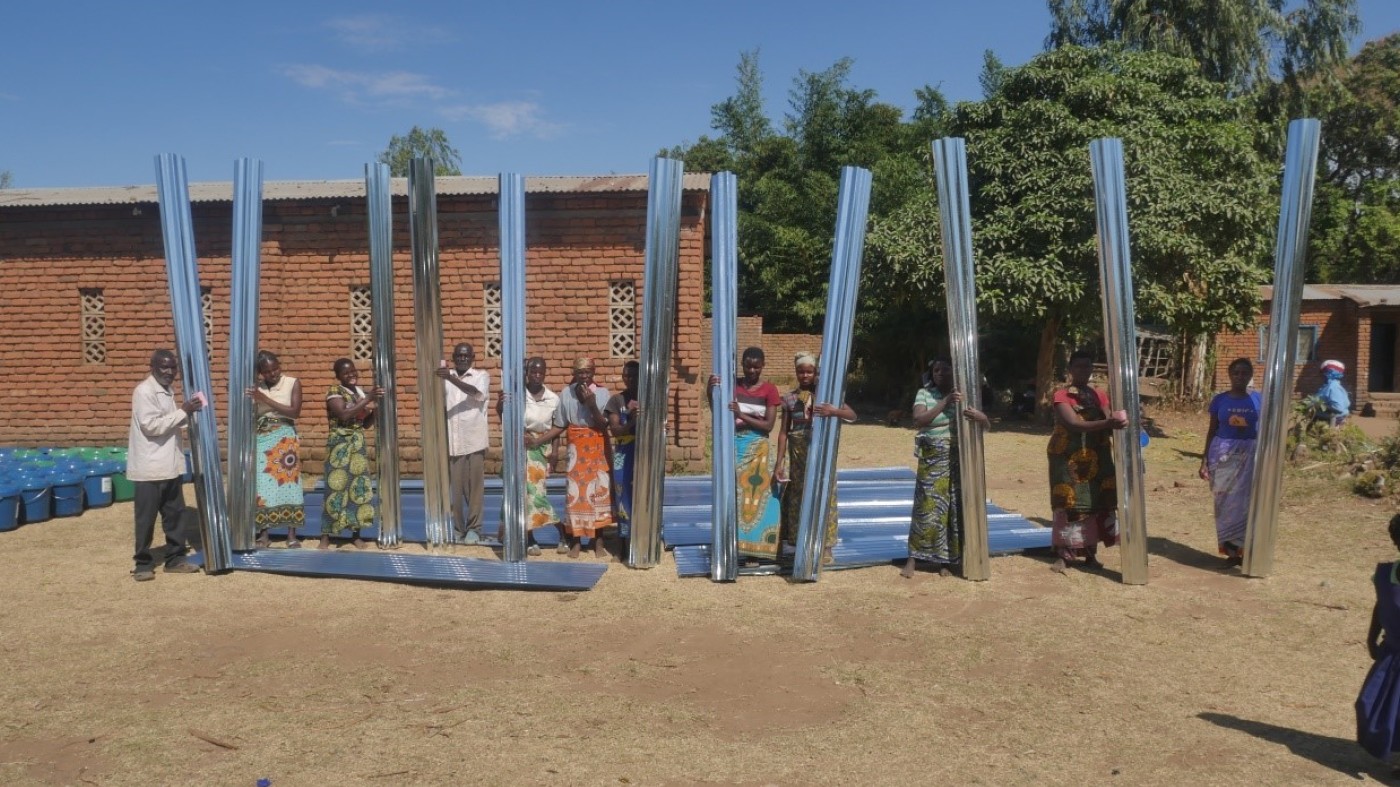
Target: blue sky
{"x": 91, "y": 91}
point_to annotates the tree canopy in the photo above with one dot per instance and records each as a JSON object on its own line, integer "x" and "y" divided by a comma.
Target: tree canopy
{"x": 5, "y": 179}
{"x": 1198, "y": 191}
{"x": 1245, "y": 44}
{"x": 1356, "y": 215}
{"x": 419, "y": 143}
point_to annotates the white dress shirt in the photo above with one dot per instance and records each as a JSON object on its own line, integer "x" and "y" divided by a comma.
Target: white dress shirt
{"x": 466, "y": 413}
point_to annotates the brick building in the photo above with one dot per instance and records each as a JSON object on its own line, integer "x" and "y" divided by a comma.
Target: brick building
{"x": 86, "y": 300}
{"x": 1357, "y": 324}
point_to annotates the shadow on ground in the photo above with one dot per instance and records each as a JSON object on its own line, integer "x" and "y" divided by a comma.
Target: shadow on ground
{"x": 1339, "y": 754}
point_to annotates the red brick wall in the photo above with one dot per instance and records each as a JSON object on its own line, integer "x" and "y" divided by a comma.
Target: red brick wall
{"x": 778, "y": 348}
{"x": 310, "y": 260}
{"x": 1343, "y": 334}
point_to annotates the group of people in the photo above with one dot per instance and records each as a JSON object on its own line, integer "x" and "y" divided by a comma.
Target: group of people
{"x": 599, "y": 431}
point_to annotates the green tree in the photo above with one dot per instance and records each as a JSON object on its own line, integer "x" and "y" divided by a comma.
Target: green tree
{"x": 1356, "y": 225}
{"x": 1245, "y": 44}
{"x": 1198, "y": 189}
{"x": 419, "y": 143}
{"x": 788, "y": 180}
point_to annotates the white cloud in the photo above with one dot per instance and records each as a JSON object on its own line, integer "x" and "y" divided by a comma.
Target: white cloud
{"x": 382, "y": 32}
{"x": 360, "y": 87}
{"x": 507, "y": 118}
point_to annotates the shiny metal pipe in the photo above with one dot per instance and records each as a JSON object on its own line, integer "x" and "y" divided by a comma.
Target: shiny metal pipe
{"x": 427, "y": 321}
{"x": 182, "y": 274}
{"x": 380, "y": 211}
{"x": 1290, "y": 263}
{"x": 1120, "y": 337}
{"x": 511, "y": 221}
{"x": 242, "y": 352}
{"x": 955, "y": 217}
{"x": 654, "y": 376}
{"x": 724, "y": 310}
{"x": 852, "y": 208}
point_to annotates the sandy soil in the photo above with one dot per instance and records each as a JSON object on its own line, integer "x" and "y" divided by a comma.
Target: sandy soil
{"x": 1201, "y": 676}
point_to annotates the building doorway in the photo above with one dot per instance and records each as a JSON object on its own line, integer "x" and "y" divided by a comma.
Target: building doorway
{"x": 1382, "y": 372}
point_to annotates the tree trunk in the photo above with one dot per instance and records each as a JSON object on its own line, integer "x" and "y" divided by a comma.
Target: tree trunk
{"x": 1193, "y": 372}
{"x": 1045, "y": 366}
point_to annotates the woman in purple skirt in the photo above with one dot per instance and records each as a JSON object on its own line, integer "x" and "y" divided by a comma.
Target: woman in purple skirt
{"x": 1378, "y": 705}
{"x": 1228, "y": 462}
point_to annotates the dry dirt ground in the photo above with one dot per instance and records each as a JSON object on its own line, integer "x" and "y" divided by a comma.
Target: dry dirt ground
{"x": 1201, "y": 676}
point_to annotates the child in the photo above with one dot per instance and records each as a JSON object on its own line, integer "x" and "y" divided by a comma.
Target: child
{"x": 1378, "y": 705}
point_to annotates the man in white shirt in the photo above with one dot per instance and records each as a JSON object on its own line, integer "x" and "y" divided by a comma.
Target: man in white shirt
{"x": 155, "y": 463}
{"x": 466, "y": 393}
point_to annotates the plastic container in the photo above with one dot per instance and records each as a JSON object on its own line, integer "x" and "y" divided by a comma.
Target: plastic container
{"x": 67, "y": 492}
{"x": 188, "y": 477}
{"x": 97, "y": 485}
{"x": 123, "y": 489}
{"x": 37, "y": 498}
{"x": 11, "y": 497}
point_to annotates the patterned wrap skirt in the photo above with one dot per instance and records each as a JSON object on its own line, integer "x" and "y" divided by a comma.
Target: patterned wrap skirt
{"x": 936, "y": 526}
{"x": 588, "y": 496}
{"x": 624, "y": 468}
{"x": 538, "y": 510}
{"x": 280, "y": 496}
{"x": 758, "y": 509}
{"x": 1083, "y": 491}
{"x": 1231, "y": 466}
{"x": 349, "y": 488}
{"x": 799, "y": 445}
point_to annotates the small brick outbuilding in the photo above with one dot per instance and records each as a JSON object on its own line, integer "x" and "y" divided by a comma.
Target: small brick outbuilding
{"x": 85, "y": 299}
{"x": 1357, "y": 324}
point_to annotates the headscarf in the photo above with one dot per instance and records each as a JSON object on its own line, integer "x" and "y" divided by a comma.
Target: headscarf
{"x": 804, "y": 358}
{"x": 582, "y": 363}
{"x": 1333, "y": 370}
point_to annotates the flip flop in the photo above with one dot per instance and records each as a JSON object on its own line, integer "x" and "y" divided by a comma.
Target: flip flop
{"x": 293, "y": 545}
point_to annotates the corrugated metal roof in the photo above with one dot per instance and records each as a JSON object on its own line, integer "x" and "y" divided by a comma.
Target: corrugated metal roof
{"x": 1362, "y": 295}
{"x": 334, "y": 189}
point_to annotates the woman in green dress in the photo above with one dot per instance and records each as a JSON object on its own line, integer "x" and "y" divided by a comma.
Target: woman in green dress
{"x": 349, "y": 489}
{"x": 936, "y": 526}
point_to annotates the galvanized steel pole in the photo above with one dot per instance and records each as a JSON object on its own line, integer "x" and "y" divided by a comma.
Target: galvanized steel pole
{"x": 181, "y": 265}
{"x": 724, "y": 267}
{"x": 242, "y": 350}
{"x": 511, "y": 221}
{"x": 1290, "y": 263}
{"x": 658, "y": 329}
{"x": 955, "y": 217}
{"x": 852, "y": 207}
{"x": 427, "y": 320}
{"x": 380, "y": 212}
{"x": 1120, "y": 336}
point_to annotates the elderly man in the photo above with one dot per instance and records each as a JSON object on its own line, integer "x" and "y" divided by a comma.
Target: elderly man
{"x": 467, "y": 390}
{"x": 155, "y": 463}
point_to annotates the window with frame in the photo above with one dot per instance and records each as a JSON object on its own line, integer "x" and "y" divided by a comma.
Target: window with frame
{"x": 622, "y": 318}
{"x": 361, "y": 323}
{"x": 1306, "y": 344}
{"x": 92, "y": 306}
{"x": 492, "y": 320}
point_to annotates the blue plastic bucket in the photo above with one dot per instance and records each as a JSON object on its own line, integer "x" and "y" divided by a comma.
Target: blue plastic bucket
{"x": 37, "y": 498}
{"x": 10, "y": 498}
{"x": 97, "y": 485}
{"x": 189, "y": 468}
{"x": 67, "y": 492}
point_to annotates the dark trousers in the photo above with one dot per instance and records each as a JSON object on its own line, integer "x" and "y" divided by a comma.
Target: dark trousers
{"x": 467, "y": 479}
{"x": 166, "y": 498}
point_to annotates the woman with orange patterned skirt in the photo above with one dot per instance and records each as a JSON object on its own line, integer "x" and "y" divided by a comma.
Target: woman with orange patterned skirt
{"x": 280, "y": 497}
{"x": 588, "y": 495}
{"x": 1083, "y": 487}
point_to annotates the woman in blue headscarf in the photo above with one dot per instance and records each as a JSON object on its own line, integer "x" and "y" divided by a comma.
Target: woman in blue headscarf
{"x": 1335, "y": 401}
